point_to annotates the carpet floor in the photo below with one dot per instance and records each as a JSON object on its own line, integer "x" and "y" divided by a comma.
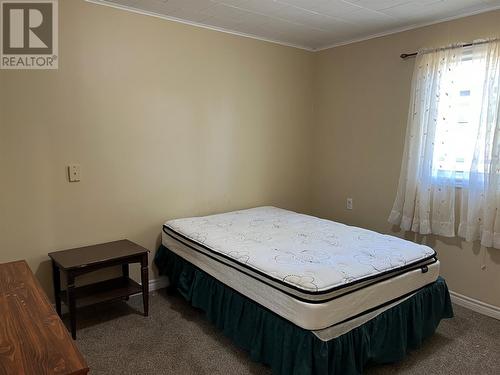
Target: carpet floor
{"x": 176, "y": 339}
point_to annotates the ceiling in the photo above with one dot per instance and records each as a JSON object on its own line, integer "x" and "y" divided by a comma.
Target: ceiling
{"x": 309, "y": 24}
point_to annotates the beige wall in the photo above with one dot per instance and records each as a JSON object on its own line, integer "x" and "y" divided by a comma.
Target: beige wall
{"x": 362, "y": 95}
{"x": 166, "y": 120}
{"x": 169, "y": 120}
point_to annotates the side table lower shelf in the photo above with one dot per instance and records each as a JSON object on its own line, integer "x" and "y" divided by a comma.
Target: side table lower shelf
{"x": 108, "y": 290}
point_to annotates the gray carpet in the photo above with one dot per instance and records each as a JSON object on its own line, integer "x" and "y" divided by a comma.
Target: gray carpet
{"x": 176, "y": 339}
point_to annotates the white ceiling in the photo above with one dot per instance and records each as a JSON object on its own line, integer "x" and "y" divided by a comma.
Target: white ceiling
{"x": 309, "y": 24}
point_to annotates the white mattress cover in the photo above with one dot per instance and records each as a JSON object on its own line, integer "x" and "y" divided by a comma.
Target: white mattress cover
{"x": 341, "y": 328}
{"x": 313, "y": 257}
{"x": 310, "y": 316}
{"x": 283, "y": 287}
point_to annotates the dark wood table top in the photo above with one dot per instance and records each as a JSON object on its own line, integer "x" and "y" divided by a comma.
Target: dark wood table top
{"x": 33, "y": 340}
{"x": 95, "y": 254}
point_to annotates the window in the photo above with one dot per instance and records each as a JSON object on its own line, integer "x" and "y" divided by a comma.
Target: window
{"x": 458, "y": 119}
{"x": 453, "y": 139}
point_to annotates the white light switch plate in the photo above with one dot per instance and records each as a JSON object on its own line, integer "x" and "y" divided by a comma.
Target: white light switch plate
{"x": 74, "y": 172}
{"x": 349, "y": 203}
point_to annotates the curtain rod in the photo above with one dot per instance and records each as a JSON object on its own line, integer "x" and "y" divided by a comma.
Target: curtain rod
{"x": 407, "y": 55}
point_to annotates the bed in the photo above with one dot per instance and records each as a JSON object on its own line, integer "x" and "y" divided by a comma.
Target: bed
{"x": 302, "y": 294}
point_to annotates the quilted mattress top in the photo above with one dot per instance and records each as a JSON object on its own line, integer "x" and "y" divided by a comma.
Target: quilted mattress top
{"x": 304, "y": 252}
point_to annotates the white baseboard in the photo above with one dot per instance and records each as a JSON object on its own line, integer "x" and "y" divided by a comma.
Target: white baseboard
{"x": 475, "y": 305}
{"x": 457, "y": 298}
{"x": 159, "y": 283}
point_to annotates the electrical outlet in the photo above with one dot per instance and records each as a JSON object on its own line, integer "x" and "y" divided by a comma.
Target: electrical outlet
{"x": 349, "y": 204}
{"x": 74, "y": 172}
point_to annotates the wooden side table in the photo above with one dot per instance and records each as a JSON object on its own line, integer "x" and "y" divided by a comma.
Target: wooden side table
{"x": 79, "y": 261}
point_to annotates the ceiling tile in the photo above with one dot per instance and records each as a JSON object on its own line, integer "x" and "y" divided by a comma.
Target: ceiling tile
{"x": 311, "y": 24}
{"x": 379, "y": 4}
{"x": 260, "y": 6}
{"x": 425, "y": 9}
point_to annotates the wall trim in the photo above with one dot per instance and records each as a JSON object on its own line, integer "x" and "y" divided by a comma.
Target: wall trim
{"x": 408, "y": 28}
{"x": 159, "y": 283}
{"x": 196, "y": 24}
{"x": 310, "y": 49}
{"x": 475, "y": 305}
{"x": 457, "y": 298}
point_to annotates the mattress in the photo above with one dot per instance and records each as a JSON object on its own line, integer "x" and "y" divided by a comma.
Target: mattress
{"x": 316, "y": 273}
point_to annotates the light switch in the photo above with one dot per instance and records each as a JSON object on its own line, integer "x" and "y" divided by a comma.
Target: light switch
{"x": 74, "y": 172}
{"x": 349, "y": 203}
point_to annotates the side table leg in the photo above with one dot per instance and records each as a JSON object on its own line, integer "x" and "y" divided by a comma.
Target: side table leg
{"x": 56, "y": 279}
{"x": 125, "y": 273}
{"x": 72, "y": 304}
{"x": 145, "y": 284}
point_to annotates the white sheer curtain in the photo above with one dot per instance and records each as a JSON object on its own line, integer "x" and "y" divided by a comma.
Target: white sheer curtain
{"x": 450, "y": 174}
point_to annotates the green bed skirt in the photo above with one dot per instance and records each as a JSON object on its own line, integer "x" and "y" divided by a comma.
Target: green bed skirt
{"x": 291, "y": 350}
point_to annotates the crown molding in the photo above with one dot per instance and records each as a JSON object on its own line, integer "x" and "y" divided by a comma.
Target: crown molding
{"x": 407, "y": 28}
{"x": 310, "y": 49}
{"x": 196, "y": 24}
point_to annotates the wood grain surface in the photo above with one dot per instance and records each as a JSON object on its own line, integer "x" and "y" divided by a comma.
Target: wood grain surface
{"x": 33, "y": 340}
